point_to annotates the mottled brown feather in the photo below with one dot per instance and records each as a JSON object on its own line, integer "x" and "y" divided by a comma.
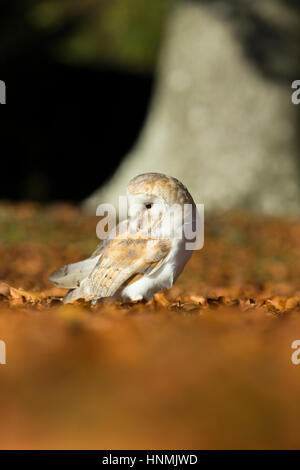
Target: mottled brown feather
{"x": 122, "y": 260}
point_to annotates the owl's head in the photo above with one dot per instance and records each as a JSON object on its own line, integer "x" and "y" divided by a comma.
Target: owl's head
{"x": 156, "y": 185}
{"x": 151, "y": 196}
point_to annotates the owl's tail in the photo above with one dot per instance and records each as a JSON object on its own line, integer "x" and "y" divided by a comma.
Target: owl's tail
{"x": 70, "y": 275}
{"x": 72, "y": 295}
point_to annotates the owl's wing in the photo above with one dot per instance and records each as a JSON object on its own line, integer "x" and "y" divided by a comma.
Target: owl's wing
{"x": 70, "y": 275}
{"x": 121, "y": 260}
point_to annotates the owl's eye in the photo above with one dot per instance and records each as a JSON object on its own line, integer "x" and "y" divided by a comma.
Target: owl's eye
{"x": 148, "y": 206}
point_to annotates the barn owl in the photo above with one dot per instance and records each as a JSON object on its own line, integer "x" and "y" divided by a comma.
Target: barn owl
{"x": 145, "y": 254}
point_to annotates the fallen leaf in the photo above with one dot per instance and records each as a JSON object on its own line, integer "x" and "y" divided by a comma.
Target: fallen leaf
{"x": 4, "y": 289}
{"x": 24, "y": 296}
{"x": 161, "y": 299}
{"x": 292, "y": 302}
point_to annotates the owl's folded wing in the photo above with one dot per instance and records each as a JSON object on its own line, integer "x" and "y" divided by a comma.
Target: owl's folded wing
{"x": 70, "y": 275}
{"x": 121, "y": 260}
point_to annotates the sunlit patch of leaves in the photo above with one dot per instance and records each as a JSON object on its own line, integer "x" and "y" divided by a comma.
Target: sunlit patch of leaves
{"x": 204, "y": 364}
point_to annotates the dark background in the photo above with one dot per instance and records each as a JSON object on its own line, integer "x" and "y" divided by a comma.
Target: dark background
{"x": 68, "y": 123}
{"x": 65, "y": 129}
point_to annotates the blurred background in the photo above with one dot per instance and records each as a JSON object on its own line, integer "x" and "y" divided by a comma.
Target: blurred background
{"x": 97, "y": 92}
{"x": 198, "y": 89}
{"x": 79, "y": 77}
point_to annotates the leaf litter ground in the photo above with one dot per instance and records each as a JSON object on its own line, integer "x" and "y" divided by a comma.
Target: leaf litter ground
{"x": 205, "y": 365}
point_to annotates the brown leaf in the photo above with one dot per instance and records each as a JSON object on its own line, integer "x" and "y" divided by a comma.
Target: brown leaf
{"x": 198, "y": 299}
{"x": 24, "y": 296}
{"x": 4, "y": 289}
{"x": 276, "y": 303}
{"x": 161, "y": 299}
{"x": 292, "y": 302}
{"x": 190, "y": 307}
